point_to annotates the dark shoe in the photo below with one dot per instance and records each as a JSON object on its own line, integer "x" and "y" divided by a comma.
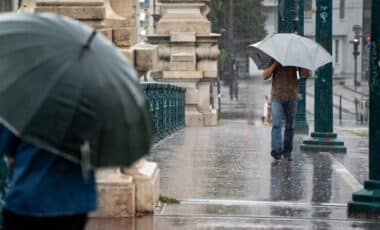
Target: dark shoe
{"x": 276, "y": 155}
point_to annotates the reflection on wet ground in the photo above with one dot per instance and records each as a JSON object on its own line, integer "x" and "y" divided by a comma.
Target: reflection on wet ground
{"x": 233, "y": 162}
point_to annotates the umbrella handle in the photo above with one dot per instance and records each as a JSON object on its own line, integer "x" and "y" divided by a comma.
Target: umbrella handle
{"x": 298, "y": 74}
{"x": 85, "y": 150}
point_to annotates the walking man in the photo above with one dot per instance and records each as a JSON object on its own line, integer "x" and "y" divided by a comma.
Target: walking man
{"x": 284, "y": 106}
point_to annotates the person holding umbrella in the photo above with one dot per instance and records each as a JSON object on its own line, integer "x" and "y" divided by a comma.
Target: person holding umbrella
{"x": 69, "y": 103}
{"x": 286, "y": 57}
{"x": 283, "y": 106}
{"x": 46, "y": 191}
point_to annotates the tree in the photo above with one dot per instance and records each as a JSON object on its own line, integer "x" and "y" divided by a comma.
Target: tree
{"x": 248, "y": 20}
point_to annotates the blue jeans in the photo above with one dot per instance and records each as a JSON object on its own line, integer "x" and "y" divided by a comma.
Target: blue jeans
{"x": 283, "y": 110}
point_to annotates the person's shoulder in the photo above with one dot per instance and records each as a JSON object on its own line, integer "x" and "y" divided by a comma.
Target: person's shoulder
{"x": 2, "y": 127}
{"x": 4, "y": 130}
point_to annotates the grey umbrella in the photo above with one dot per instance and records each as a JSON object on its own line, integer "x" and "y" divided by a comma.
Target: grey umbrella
{"x": 289, "y": 50}
{"x": 67, "y": 89}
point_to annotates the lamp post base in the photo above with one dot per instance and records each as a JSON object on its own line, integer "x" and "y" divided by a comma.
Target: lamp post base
{"x": 323, "y": 142}
{"x": 366, "y": 202}
{"x": 301, "y": 127}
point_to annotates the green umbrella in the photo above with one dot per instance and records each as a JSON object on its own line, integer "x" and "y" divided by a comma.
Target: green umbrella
{"x": 67, "y": 89}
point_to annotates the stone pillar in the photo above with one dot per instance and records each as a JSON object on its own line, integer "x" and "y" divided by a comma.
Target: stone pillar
{"x": 146, "y": 176}
{"x": 116, "y": 194}
{"x": 188, "y": 53}
{"x": 366, "y": 202}
{"x": 323, "y": 138}
{"x": 121, "y": 191}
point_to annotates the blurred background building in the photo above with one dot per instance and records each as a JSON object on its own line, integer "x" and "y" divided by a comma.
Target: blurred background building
{"x": 149, "y": 15}
{"x": 8, "y": 5}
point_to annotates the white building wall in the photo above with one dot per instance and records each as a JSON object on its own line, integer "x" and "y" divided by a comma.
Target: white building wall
{"x": 342, "y": 32}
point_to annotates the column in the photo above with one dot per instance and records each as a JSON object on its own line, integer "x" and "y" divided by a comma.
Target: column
{"x": 286, "y": 14}
{"x": 301, "y": 125}
{"x": 366, "y": 202}
{"x": 323, "y": 139}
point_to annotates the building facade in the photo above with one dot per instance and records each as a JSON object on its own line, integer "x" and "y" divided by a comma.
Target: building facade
{"x": 346, "y": 14}
{"x": 149, "y": 10}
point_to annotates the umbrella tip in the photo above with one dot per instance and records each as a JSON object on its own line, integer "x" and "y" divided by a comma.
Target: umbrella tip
{"x": 89, "y": 40}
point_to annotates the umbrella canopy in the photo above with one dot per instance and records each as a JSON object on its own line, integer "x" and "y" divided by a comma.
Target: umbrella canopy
{"x": 289, "y": 50}
{"x": 68, "y": 90}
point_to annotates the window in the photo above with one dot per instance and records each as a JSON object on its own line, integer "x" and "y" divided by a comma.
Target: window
{"x": 342, "y": 6}
{"x": 336, "y": 53}
{"x": 308, "y": 8}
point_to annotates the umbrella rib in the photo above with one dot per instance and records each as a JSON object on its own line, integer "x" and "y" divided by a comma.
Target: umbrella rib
{"x": 287, "y": 49}
{"x": 305, "y": 46}
{"x": 38, "y": 142}
{"x": 27, "y": 46}
{"x": 42, "y": 144}
{"x": 323, "y": 49}
{"x": 42, "y": 62}
{"x": 58, "y": 73}
{"x": 308, "y": 53}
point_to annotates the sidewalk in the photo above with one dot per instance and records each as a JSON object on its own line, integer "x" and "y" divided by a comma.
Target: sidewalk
{"x": 348, "y": 95}
{"x": 225, "y": 178}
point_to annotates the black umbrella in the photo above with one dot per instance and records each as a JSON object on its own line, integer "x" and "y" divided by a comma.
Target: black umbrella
{"x": 67, "y": 89}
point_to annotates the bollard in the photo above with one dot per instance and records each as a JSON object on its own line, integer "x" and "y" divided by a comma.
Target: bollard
{"x": 356, "y": 110}
{"x": 340, "y": 108}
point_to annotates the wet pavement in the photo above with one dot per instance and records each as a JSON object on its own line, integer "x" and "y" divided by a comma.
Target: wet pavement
{"x": 225, "y": 178}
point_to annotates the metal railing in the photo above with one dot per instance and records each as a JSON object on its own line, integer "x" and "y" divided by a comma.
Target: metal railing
{"x": 167, "y": 107}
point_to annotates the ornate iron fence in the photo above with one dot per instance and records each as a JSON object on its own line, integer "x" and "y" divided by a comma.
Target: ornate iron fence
{"x": 167, "y": 107}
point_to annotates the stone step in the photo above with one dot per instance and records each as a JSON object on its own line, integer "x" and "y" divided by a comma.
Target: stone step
{"x": 324, "y": 148}
{"x": 366, "y": 196}
{"x": 322, "y": 142}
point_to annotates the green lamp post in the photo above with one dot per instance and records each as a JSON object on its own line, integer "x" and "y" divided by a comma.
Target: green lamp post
{"x": 366, "y": 202}
{"x": 286, "y": 15}
{"x": 288, "y": 23}
{"x": 301, "y": 125}
{"x": 323, "y": 138}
